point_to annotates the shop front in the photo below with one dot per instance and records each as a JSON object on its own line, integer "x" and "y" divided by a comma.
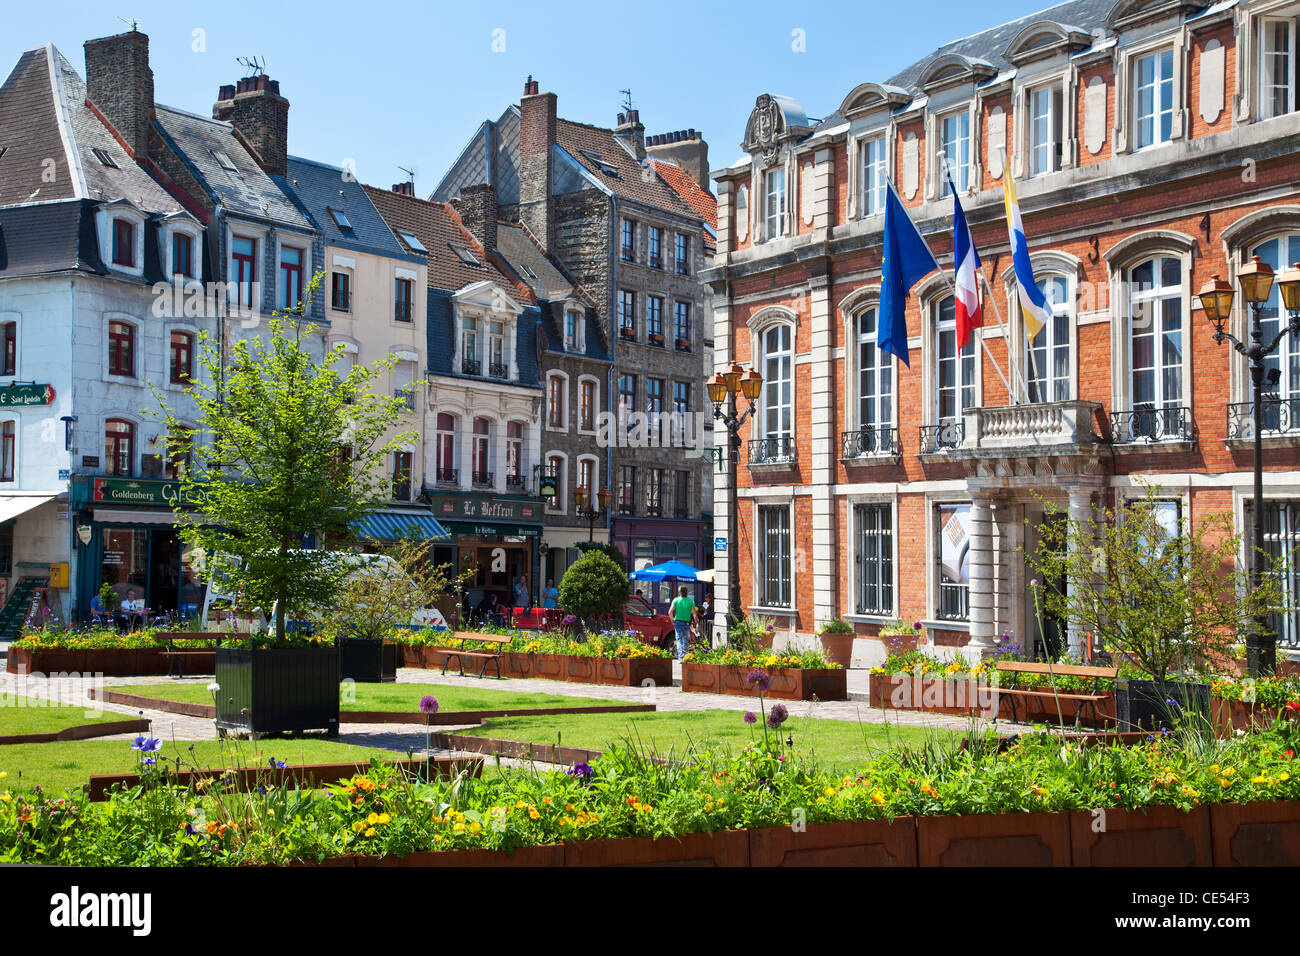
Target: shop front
{"x": 647, "y": 541}
{"x": 125, "y": 536}
{"x": 493, "y": 542}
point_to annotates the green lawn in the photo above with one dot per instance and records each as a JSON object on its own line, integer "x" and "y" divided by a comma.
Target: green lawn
{"x": 392, "y": 697}
{"x": 27, "y": 715}
{"x": 840, "y": 744}
{"x": 57, "y": 766}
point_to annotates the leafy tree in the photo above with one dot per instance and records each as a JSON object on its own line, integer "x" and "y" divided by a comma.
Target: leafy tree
{"x": 373, "y": 600}
{"x": 593, "y": 586}
{"x": 615, "y": 555}
{"x": 289, "y": 448}
{"x": 1165, "y": 600}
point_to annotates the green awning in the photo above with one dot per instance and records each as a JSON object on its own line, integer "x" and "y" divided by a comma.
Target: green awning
{"x": 391, "y": 525}
{"x": 489, "y": 529}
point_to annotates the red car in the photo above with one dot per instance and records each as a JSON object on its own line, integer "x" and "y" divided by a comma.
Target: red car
{"x": 655, "y": 629}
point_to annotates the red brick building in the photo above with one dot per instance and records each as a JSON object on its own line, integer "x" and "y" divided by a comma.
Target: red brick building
{"x": 1153, "y": 145}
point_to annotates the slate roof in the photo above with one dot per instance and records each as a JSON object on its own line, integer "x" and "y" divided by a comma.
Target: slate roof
{"x": 991, "y": 45}
{"x": 627, "y": 181}
{"x": 519, "y": 250}
{"x": 437, "y": 226}
{"x": 43, "y": 115}
{"x": 441, "y": 340}
{"x": 319, "y": 188}
{"x": 41, "y": 238}
{"x": 248, "y": 191}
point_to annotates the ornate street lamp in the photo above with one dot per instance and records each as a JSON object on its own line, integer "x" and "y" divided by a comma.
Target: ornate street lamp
{"x": 1256, "y": 281}
{"x": 582, "y": 499}
{"x": 722, "y": 388}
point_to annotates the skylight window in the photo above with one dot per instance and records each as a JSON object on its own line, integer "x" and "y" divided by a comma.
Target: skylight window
{"x": 412, "y": 241}
{"x": 601, "y": 163}
{"x": 465, "y": 255}
{"x": 103, "y": 157}
{"x": 529, "y": 272}
{"x": 224, "y": 161}
{"x": 340, "y": 218}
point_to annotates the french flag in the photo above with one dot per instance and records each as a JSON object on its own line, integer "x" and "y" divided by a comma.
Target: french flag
{"x": 967, "y": 263}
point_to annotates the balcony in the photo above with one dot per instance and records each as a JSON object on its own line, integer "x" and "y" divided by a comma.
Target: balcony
{"x": 402, "y": 311}
{"x": 1279, "y": 421}
{"x": 481, "y": 479}
{"x": 471, "y": 367}
{"x": 776, "y": 450}
{"x": 498, "y": 370}
{"x": 869, "y": 442}
{"x": 936, "y": 439}
{"x": 954, "y": 602}
{"x": 447, "y": 476}
{"x": 1169, "y": 426}
{"x": 515, "y": 483}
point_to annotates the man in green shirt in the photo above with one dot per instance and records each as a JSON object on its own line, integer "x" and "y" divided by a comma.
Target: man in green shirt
{"x": 682, "y": 612}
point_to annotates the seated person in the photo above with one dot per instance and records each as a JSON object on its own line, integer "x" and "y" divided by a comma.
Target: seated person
{"x": 98, "y": 613}
{"x": 132, "y": 609}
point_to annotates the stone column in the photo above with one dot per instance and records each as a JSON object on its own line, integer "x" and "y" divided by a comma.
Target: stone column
{"x": 723, "y": 561}
{"x": 982, "y": 623}
{"x": 828, "y": 564}
{"x": 1081, "y": 516}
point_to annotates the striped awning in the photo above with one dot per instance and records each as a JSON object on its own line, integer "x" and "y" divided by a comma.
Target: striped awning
{"x": 391, "y": 525}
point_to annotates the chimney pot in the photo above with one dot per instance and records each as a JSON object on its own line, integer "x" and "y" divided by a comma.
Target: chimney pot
{"x": 261, "y": 115}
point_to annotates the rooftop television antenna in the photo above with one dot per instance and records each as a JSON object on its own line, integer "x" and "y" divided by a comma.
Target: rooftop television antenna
{"x": 132, "y": 22}
{"x": 627, "y": 100}
{"x": 255, "y": 65}
{"x": 410, "y": 173}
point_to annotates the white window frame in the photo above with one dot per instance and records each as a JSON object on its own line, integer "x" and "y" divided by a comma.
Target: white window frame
{"x": 859, "y": 564}
{"x": 417, "y": 301}
{"x": 764, "y": 403}
{"x": 595, "y": 404}
{"x": 1053, "y": 145}
{"x": 106, "y": 216}
{"x": 1262, "y": 85}
{"x": 1158, "y": 105}
{"x": 774, "y": 219}
{"x": 438, "y": 436}
{"x": 934, "y": 567}
{"x": 18, "y": 441}
{"x": 872, "y": 175}
{"x": 296, "y": 241}
{"x": 139, "y": 356}
{"x": 563, "y": 377}
{"x": 759, "y": 562}
{"x": 578, "y": 318}
{"x": 561, "y": 506}
{"x": 1052, "y": 346}
{"x": 942, "y": 326}
{"x": 258, "y": 234}
{"x": 961, "y": 176}
{"x": 594, "y": 487}
{"x": 17, "y": 319}
{"x": 196, "y": 253}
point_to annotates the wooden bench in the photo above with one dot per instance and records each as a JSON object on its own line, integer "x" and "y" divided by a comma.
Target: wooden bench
{"x": 1040, "y": 669}
{"x": 492, "y": 656}
{"x": 176, "y": 658}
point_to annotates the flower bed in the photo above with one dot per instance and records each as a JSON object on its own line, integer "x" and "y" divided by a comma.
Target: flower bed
{"x": 787, "y": 682}
{"x": 137, "y": 654}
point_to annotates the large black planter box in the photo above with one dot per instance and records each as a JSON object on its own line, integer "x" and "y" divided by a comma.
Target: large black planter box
{"x": 367, "y": 661}
{"x": 1144, "y": 704}
{"x": 278, "y": 691}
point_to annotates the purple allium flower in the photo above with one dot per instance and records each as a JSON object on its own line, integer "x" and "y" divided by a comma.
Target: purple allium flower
{"x": 146, "y": 745}
{"x": 770, "y": 628}
{"x": 759, "y": 679}
{"x": 918, "y": 626}
{"x": 777, "y": 716}
{"x": 750, "y": 717}
{"x": 190, "y": 831}
{"x": 569, "y": 620}
{"x": 428, "y": 704}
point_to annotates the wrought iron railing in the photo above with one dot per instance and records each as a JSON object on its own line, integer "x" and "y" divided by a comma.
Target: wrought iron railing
{"x": 869, "y": 441}
{"x": 772, "y": 450}
{"x": 1278, "y": 416}
{"x": 954, "y": 602}
{"x": 481, "y": 479}
{"x": 402, "y": 311}
{"x": 946, "y": 434}
{"x": 402, "y": 490}
{"x": 471, "y": 367}
{"x": 447, "y": 476}
{"x": 498, "y": 370}
{"x": 1147, "y": 424}
{"x": 514, "y": 482}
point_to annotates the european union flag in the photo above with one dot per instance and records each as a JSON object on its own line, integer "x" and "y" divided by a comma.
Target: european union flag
{"x": 907, "y": 259}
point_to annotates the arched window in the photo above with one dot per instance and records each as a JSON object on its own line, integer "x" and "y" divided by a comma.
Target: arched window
{"x": 955, "y": 367}
{"x": 514, "y": 456}
{"x": 119, "y": 447}
{"x": 445, "y": 448}
{"x": 1279, "y": 252}
{"x": 1047, "y": 364}
{"x": 1155, "y": 300}
{"x": 875, "y": 391}
{"x": 482, "y": 448}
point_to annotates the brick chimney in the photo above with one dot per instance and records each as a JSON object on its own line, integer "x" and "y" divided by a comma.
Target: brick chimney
{"x": 687, "y": 147}
{"x": 120, "y": 84}
{"x": 536, "y": 137}
{"x": 404, "y": 189}
{"x": 630, "y": 130}
{"x": 477, "y": 208}
{"x": 255, "y": 107}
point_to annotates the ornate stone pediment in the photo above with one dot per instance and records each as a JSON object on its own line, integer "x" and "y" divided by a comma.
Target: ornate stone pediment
{"x": 775, "y": 120}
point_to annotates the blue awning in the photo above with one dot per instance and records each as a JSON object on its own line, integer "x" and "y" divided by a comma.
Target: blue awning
{"x": 391, "y": 525}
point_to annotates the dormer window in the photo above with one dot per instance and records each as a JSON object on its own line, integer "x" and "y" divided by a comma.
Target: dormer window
{"x": 1153, "y": 99}
{"x": 572, "y": 320}
{"x": 124, "y": 243}
{"x": 1044, "y": 130}
{"x": 291, "y": 263}
{"x": 774, "y": 203}
{"x": 183, "y": 255}
{"x": 1277, "y": 65}
{"x": 954, "y": 140}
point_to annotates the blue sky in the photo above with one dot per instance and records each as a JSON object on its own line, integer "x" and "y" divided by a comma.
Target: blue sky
{"x": 405, "y": 84}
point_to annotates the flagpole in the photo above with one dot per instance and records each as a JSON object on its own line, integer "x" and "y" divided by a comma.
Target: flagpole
{"x": 1029, "y": 351}
{"x": 1006, "y": 337}
{"x": 953, "y": 292}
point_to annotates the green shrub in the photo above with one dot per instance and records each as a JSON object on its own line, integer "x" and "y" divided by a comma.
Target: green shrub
{"x": 593, "y": 586}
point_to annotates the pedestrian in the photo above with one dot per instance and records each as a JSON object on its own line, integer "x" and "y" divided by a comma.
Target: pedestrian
{"x": 682, "y": 610}
{"x": 551, "y": 596}
{"x": 521, "y": 592}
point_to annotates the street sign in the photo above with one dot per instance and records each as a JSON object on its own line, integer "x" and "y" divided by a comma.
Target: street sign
{"x": 14, "y": 396}
{"x": 719, "y": 544}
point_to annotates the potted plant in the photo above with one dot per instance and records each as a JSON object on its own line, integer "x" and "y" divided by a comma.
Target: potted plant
{"x": 1169, "y": 601}
{"x": 751, "y": 633}
{"x": 657, "y": 338}
{"x": 265, "y": 477}
{"x": 899, "y": 637}
{"x": 836, "y": 638}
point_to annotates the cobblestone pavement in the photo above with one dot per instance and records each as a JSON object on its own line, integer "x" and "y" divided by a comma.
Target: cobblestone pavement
{"x": 401, "y": 738}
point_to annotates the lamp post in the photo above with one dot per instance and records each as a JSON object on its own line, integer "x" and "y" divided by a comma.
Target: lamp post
{"x": 1256, "y": 281}
{"x": 581, "y": 499}
{"x": 722, "y": 388}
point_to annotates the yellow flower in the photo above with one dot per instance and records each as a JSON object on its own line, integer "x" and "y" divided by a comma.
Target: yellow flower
{"x": 569, "y": 807}
{"x": 384, "y": 818}
{"x": 475, "y": 827}
{"x": 532, "y": 813}
{"x": 372, "y": 819}
{"x": 370, "y": 832}
{"x": 546, "y": 799}
{"x": 519, "y": 805}
{"x": 877, "y": 797}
